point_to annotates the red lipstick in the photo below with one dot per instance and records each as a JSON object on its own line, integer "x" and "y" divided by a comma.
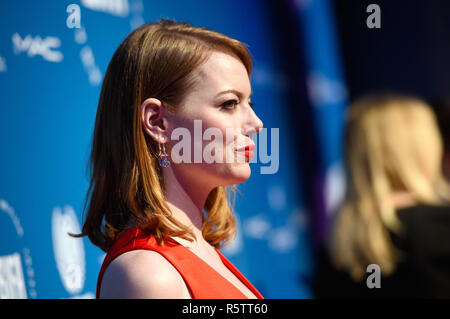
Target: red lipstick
{"x": 248, "y": 150}
{"x": 249, "y": 154}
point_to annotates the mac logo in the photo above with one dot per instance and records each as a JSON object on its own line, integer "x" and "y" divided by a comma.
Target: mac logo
{"x": 38, "y": 46}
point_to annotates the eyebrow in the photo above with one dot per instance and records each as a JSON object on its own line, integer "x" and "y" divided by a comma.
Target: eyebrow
{"x": 239, "y": 94}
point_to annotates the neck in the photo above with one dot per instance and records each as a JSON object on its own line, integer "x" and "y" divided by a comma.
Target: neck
{"x": 186, "y": 200}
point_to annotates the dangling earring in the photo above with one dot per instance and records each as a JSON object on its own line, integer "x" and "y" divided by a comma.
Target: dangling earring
{"x": 163, "y": 161}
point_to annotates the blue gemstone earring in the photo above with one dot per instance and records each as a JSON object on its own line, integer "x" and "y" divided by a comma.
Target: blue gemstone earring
{"x": 163, "y": 161}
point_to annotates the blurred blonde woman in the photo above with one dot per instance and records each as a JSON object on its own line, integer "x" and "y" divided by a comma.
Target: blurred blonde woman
{"x": 395, "y": 213}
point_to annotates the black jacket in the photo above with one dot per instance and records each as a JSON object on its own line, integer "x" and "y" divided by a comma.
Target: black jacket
{"x": 425, "y": 273}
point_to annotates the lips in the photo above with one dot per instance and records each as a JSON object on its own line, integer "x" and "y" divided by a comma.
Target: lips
{"x": 247, "y": 150}
{"x": 249, "y": 154}
{"x": 249, "y": 147}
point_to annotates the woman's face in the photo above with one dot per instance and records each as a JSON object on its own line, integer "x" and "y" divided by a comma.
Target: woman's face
{"x": 218, "y": 116}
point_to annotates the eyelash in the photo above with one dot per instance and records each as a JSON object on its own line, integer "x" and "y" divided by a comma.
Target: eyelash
{"x": 234, "y": 103}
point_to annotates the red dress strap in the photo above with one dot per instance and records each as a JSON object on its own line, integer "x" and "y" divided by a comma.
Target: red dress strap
{"x": 201, "y": 279}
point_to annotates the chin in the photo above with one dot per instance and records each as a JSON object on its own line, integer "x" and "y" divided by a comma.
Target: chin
{"x": 231, "y": 174}
{"x": 241, "y": 173}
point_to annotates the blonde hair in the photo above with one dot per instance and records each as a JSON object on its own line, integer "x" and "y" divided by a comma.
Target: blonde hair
{"x": 156, "y": 60}
{"x": 392, "y": 143}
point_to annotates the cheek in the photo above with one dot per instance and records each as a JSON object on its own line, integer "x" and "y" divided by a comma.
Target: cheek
{"x": 217, "y": 145}
{"x": 213, "y": 137}
{"x": 218, "y": 131}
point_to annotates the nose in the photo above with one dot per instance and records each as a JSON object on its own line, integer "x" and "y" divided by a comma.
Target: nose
{"x": 253, "y": 124}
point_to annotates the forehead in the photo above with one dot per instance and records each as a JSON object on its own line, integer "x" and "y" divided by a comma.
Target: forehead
{"x": 222, "y": 71}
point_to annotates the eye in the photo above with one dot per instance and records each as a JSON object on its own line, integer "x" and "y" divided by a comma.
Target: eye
{"x": 229, "y": 105}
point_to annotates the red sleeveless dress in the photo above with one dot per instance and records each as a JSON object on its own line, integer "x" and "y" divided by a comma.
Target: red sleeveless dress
{"x": 201, "y": 279}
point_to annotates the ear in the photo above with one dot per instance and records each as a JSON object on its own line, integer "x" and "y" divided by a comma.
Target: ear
{"x": 154, "y": 121}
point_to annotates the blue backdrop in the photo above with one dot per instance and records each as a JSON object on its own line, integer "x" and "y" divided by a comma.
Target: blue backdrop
{"x": 50, "y": 79}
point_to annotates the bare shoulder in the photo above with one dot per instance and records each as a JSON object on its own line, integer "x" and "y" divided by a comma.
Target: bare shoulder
{"x": 142, "y": 274}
